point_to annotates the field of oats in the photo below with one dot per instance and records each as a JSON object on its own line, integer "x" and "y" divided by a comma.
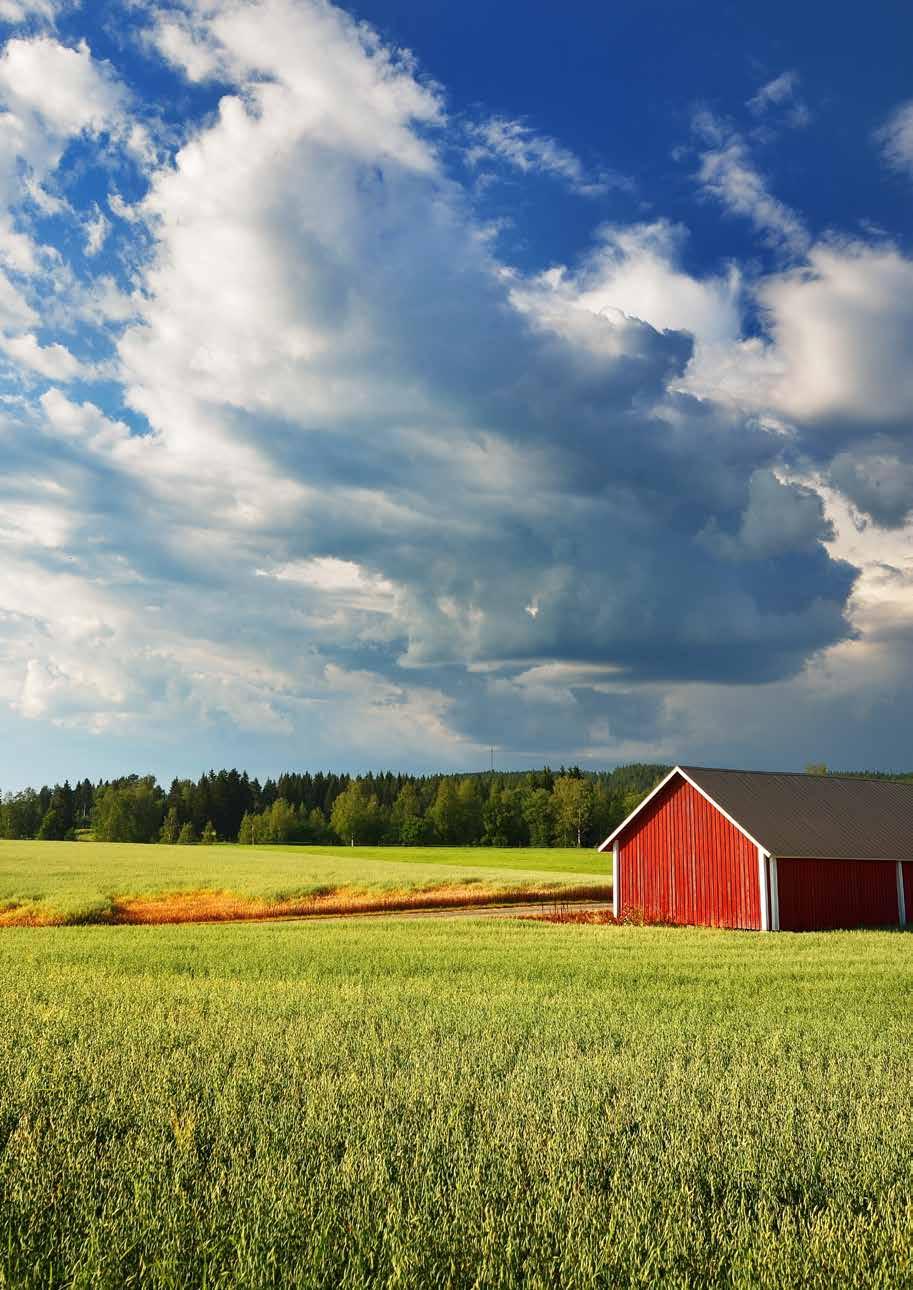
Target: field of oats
{"x": 48, "y": 883}
{"x": 414, "y": 1103}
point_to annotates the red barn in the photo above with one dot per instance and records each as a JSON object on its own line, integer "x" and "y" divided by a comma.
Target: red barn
{"x": 777, "y": 852}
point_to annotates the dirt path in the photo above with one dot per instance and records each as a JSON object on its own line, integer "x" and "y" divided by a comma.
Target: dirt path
{"x": 507, "y": 911}
{"x": 454, "y": 911}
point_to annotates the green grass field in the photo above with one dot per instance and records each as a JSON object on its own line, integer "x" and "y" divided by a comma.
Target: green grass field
{"x": 454, "y": 1103}
{"x": 77, "y": 881}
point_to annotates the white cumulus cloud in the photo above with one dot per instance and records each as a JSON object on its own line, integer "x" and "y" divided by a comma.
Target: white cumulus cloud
{"x": 55, "y": 362}
{"x": 370, "y": 477}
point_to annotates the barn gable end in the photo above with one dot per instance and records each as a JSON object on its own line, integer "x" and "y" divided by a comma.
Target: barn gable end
{"x": 681, "y": 860}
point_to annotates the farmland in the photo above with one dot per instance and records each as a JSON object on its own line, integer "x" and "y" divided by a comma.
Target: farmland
{"x": 83, "y": 882}
{"x": 454, "y": 1103}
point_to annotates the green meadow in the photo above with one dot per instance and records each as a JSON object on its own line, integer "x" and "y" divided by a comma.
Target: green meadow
{"x": 465, "y": 1103}
{"x": 80, "y": 881}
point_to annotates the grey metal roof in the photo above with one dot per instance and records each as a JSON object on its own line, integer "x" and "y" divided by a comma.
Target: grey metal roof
{"x": 834, "y": 817}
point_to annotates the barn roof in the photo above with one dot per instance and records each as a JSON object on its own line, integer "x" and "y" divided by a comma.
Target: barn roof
{"x": 833, "y": 817}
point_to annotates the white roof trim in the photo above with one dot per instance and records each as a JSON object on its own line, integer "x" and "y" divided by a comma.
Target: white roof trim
{"x": 677, "y": 770}
{"x": 637, "y": 809}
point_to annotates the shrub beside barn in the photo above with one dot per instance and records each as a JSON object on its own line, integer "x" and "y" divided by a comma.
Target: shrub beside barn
{"x": 769, "y": 851}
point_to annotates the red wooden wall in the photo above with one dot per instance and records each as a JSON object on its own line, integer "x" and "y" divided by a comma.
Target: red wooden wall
{"x": 908, "y": 890}
{"x": 682, "y": 861}
{"x": 821, "y": 894}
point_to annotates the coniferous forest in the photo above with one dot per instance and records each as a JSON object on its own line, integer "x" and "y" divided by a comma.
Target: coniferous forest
{"x": 568, "y": 807}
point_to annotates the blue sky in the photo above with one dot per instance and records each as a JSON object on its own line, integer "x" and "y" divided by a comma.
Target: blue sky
{"x": 379, "y": 385}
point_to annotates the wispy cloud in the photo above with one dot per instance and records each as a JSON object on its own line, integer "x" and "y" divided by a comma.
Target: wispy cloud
{"x": 728, "y": 173}
{"x": 16, "y": 11}
{"x": 516, "y": 144}
{"x": 896, "y": 138}
{"x": 782, "y": 93}
{"x": 96, "y": 229}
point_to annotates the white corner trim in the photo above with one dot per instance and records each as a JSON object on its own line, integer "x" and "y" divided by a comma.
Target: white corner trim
{"x": 763, "y": 890}
{"x": 774, "y": 896}
{"x": 616, "y": 878}
{"x": 677, "y": 770}
{"x": 901, "y": 898}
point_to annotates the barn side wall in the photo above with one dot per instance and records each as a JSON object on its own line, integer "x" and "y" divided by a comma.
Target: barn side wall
{"x": 907, "y": 868}
{"x": 825, "y": 894}
{"x": 682, "y": 861}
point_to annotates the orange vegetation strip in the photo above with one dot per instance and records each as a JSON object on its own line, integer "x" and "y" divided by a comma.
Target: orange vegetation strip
{"x": 225, "y": 906}
{"x": 591, "y": 917}
{"x": 629, "y": 917}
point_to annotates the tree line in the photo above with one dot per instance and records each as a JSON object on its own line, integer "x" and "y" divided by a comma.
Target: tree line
{"x": 542, "y": 808}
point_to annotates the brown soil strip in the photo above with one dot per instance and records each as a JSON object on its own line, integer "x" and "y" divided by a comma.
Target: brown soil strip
{"x": 223, "y": 907}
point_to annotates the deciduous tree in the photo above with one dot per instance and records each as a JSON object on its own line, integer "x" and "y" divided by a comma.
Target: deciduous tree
{"x": 573, "y": 798}
{"x": 539, "y": 813}
{"x": 355, "y": 814}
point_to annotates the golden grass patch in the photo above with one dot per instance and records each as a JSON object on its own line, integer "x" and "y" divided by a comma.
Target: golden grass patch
{"x": 225, "y": 906}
